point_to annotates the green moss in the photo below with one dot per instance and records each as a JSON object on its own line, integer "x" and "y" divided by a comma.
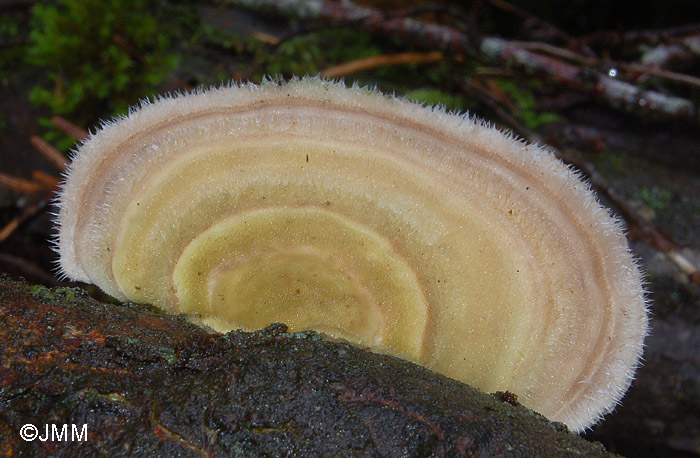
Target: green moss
{"x": 56, "y": 294}
{"x": 100, "y": 56}
{"x": 40, "y": 291}
{"x": 655, "y": 198}
{"x": 524, "y": 100}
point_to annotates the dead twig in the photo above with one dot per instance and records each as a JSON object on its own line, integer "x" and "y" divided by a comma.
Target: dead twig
{"x": 687, "y": 49}
{"x": 49, "y": 152}
{"x": 69, "y": 128}
{"x": 45, "y": 178}
{"x": 266, "y": 38}
{"x": 41, "y": 181}
{"x": 635, "y": 37}
{"x": 615, "y": 65}
{"x": 26, "y": 214}
{"x": 429, "y": 35}
{"x": 491, "y": 50}
{"x": 665, "y": 74}
{"x": 20, "y": 184}
{"x": 553, "y": 31}
{"x": 382, "y": 60}
{"x": 618, "y": 94}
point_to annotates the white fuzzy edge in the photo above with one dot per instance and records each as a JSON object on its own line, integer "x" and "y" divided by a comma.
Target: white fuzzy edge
{"x": 462, "y": 126}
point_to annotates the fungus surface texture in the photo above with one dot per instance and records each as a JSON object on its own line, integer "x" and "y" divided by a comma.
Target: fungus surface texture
{"x": 413, "y": 231}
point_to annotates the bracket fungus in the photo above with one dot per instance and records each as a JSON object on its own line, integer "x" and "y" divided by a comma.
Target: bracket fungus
{"x": 404, "y": 228}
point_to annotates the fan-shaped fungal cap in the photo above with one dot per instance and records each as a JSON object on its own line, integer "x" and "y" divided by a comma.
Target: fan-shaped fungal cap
{"x": 414, "y": 231}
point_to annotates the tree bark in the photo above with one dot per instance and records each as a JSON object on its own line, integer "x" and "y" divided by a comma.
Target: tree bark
{"x": 149, "y": 384}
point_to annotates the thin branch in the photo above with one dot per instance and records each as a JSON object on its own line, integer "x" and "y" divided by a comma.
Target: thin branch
{"x": 382, "y": 60}
{"x": 618, "y": 94}
{"x": 598, "y": 63}
{"x": 663, "y": 55}
{"x": 49, "y": 152}
{"x": 655, "y": 35}
{"x": 635, "y": 37}
{"x": 27, "y": 213}
{"x": 552, "y": 30}
{"x": 69, "y": 128}
{"x": 266, "y": 38}
{"x": 665, "y": 74}
{"x": 491, "y": 50}
{"x": 348, "y": 13}
{"x": 45, "y": 178}
{"x": 20, "y": 184}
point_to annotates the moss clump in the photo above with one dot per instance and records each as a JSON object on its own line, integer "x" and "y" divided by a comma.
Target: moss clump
{"x": 100, "y": 56}
{"x": 56, "y": 294}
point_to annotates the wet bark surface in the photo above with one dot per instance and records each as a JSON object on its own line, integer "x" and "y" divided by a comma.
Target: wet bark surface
{"x": 151, "y": 384}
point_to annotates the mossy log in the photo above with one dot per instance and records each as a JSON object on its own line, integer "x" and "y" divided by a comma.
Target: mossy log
{"x": 150, "y": 384}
